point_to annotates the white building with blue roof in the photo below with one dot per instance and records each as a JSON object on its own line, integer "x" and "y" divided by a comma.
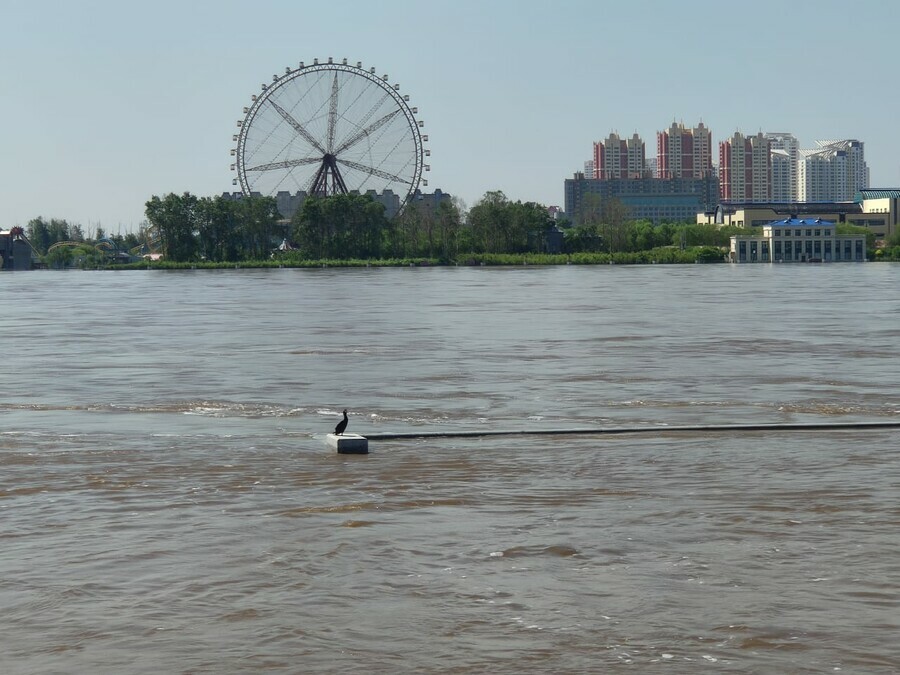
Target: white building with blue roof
{"x": 798, "y": 240}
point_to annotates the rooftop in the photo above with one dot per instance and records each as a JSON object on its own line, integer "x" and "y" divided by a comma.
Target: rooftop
{"x": 800, "y": 222}
{"x": 878, "y": 193}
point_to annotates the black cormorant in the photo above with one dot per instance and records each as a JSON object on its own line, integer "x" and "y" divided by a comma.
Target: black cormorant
{"x": 339, "y": 429}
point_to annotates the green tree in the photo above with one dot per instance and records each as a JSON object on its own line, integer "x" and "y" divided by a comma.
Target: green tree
{"x": 58, "y": 231}
{"x": 704, "y": 234}
{"x": 217, "y": 229}
{"x": 38, "y": 233}
{"x": 583, "y": 239}
{"x": 614, "y": 218}
{"x": 590, "y": 210}
{"x": 847, "y": 228}
{"x": 429, "y": 232}
{"x": 414, "y": 231}
{"x": 643, "y": 235}
{"x": 76, "y": 233}
{"x": 256, "y": 219}
{"x": 59, "y": 258}
{"x": 87, "y": 256}
{"x": 487, "y": 223}
{"x": 176, "y": 219}
{"x": 448, "y": 229}
{"x": 894, "y": 238}
{"x": 498, "y": 225}
{"x": 341, "y": 226}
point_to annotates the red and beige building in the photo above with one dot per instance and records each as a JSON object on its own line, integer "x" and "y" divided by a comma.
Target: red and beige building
{"x": 619, "y": 158}
{"x": 683, "y": 152}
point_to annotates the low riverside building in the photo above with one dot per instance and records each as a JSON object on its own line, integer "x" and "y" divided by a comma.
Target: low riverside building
{"x": 878, "y": 210}
{"x": 798, "y": 240}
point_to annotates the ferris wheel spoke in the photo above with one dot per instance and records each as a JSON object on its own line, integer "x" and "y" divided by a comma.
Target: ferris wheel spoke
{"x": 332, "y": 112}
{"x": 362, "y": 133}
{"x": 378, "y": 105}
{"x": 298, "y": 127}
{"x": 372, "y": 171}
{"x": 286, "y": 164}
{"x": 331, "y": 128}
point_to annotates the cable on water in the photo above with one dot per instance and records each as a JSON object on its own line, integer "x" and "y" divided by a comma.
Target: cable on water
{"x": 608, "y": 431}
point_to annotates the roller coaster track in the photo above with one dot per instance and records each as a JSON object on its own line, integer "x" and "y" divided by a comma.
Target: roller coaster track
{"x": 151, "y": 241}
{"x": 150, "y": 244}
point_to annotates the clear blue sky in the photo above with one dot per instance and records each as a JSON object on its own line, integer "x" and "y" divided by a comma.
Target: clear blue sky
{"x": 107, "y": 103}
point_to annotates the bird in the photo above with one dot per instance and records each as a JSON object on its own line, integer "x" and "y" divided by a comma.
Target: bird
{"x": 339, "y": 429}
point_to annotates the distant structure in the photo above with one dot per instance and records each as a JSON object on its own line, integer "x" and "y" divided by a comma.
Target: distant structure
{"x": 745, "y": 168}
{"x": 758, "y": 179}
{"x": 655, "y": 199}
{"x": 834, "y": 171}
{"x": 785, "y": 153}
{"x": 16, "y": 252}
{"x": 798, "y": 240}
{"x": 881, "y": 209}
{"x": 684, "y": 153}
{"x": 288, "y": 204}
{"x": 619, "y": 158}
{"x": 589, "y": 169}
{"x": 330, "y": 128}
{"x": 876, "y": 209}
{"x": 429, "y": 200}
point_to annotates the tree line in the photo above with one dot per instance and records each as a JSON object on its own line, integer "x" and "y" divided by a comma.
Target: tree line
{"x": 353, "y": 226}
{"x": 187, "y": 228}
{"x": 222, "y": 229}
{"x": 43, "y": 234}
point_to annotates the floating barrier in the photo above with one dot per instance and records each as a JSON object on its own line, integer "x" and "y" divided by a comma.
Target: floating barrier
{"x": 608, "y": 431}
{"x": 348, "y": 444}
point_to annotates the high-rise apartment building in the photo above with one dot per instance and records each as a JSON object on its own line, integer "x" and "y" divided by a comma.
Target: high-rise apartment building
{"x": 745, "y": 169}
{"x": 785, "y": 151}
{"x": 835, "y": 171}
{"x": 619, "y": 158}
{"x": 684, "y": 153}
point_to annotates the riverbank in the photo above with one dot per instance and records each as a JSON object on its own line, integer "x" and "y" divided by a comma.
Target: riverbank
{"x": 665, "y": 255}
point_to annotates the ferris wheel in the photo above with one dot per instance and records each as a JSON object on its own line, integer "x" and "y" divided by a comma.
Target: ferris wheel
{"x": 330, "y": 128}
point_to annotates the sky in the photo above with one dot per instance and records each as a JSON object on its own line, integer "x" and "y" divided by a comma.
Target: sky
{"x": 106, "y": 103}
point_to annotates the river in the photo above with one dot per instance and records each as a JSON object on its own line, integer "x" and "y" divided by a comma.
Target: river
{"x": 168, "y": 503}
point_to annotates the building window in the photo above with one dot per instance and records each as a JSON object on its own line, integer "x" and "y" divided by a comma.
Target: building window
{"x": 818, "y": 233}
{"x": 809, "y": 233}
{"x": 777, "y": 233}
